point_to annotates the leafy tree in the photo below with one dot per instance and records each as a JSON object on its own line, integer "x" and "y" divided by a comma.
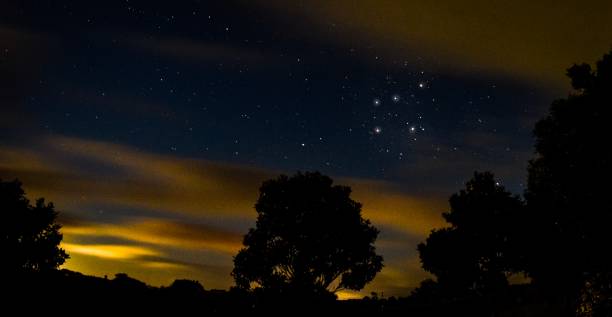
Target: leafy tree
{"x": 568, "y": 185}
{"x": 309, "y": 237}
{"x": 477, "y": 251}
{"x": 29, "y": 236}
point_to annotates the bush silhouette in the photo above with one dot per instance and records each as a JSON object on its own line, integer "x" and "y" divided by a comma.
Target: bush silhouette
{"x": 29, "y": 235}
{"x": 309, "y": 238}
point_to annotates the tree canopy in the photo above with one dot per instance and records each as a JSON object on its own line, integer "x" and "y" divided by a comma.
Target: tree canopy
{"x": 29, "y": 235}
{"x": 567, "y": 194}
{"x": 560, "y": 236}
{"x": 476, "y": 251}
{"x": 309, "y": 237}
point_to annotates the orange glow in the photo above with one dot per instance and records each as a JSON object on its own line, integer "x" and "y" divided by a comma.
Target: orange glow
{"x": 121, "y": 252}
{"x": 345, "y": 295}
{"x": 200, "y": 192}
{"x": 164, "y": 233}
{"x": 530, "y": 40}
{"x": 385, "y": 206}
{"x": 163, "y": 265}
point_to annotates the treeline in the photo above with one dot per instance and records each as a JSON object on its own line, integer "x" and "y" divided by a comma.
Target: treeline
{"x": 558, "y": 234}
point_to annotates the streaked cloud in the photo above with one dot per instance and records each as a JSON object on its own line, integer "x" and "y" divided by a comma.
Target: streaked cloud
{"x": 164, "y": 233}
{"x": 529, "y": 40}
{"x": 23, "y": 53}
{"x": 64, "y": 167}
{"x": 186, "y": 49}
{"x": 108, "y": 251}
{"x": 159, "y": 217}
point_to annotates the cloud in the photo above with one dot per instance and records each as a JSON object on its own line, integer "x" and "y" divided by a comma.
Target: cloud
{"x": 533, "y": 40}
{"x": 443, "y": 166}
{"x": 116, "y": 104}
{"x": 159, "y": 217}
{"x": 108, "y": 251}
{"x": 186, "y": 49}
{"x": 156, "y": 250}
{"x": 21, "y": 56}
{"x": 386, "y": 205}
{"x": 162, "y": 232}
{"x": 99, "y": 172}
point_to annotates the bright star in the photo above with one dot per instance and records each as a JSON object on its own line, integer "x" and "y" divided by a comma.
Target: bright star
{"x": 377, "y": 130}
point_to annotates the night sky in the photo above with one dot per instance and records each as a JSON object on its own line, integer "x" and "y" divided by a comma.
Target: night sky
{"x": 152, "y": 125}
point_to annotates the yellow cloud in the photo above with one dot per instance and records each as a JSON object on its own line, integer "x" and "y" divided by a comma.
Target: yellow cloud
{"x": 385, "y": 205}
{"x": 181, "y": 185}
{"x": 163, "y": 265}
{"x": 79, "y": 175}
{"x": 344, "y": 295}
{"x": 533, "y": 40}
{"x": 119, "y": 252}
{"x": 163, "y": 233}
{"x": 132, "y": 178}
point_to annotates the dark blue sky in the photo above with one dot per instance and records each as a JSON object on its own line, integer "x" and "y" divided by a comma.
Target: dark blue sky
{"x": 203, "y": 80}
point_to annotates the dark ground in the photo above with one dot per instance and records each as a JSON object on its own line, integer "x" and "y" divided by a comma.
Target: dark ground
{"x": 70, "y": 293}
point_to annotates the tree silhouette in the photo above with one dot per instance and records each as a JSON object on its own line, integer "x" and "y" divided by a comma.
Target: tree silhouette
{"x": 29, "y": 235}
{"x": 568, "y": 185}
{"x": 309, "y": 237}
{"x": 187, "y": 286}
{"x": 186, "y": 289}
{"x": 478, "y": 250}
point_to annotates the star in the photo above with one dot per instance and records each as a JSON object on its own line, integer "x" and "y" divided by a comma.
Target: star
{"x": 376, "y": 102}
{"x": 377, "y": 130}
{"x": 395, "y": 98}
{"x": 421, "y": 85}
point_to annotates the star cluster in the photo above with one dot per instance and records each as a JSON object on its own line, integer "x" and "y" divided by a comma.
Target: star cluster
{"x": 197, "y": 81}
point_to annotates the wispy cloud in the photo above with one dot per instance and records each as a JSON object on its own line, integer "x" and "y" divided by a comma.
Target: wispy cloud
{"x": 529, "y": 40}
{"x": 23, "y": 53}
{"x": 105, "y": 173}
{"x": 186, "y": 49}
{"x": 108, "y": 251}
{"x": 162, "y": 232}
{"x": 140, "y": 212}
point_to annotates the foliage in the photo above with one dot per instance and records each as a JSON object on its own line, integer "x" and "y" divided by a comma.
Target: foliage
{"x": 568, "y": 188}
{"x": 29, "y": 236}
{"x": 477, "y": 250}
{"x": 309, "y": 237}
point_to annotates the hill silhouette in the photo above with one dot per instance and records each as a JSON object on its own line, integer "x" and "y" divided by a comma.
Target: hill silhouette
{"x": 81, "y": 293}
